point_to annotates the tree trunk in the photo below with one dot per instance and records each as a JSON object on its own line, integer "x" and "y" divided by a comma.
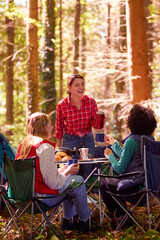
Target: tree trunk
{"x": 121, "y": 48}
{"x": 150, "y": 31}
{"x": 49, "y": 92}
{"x": 120, "y": 84}
{"x": 83, "y": 65}
{"x": 61, "y": 51}
{"x": 137, "y": 50}
{"x": 76, "y": 34}
{"x": 9, "y": 72}
{"x": 33, "y": 98}
{"x": 108, "y": 79}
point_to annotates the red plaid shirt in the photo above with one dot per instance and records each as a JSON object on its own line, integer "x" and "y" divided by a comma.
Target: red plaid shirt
{"x": 73, "y": 121}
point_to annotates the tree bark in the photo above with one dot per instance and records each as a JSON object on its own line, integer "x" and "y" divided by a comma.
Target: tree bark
{"x": 108, "y": 91}
{"x": 48, "y": 77}
{"x": 120, "y": 84}
{"x": 61, "y": 51}
{"x": 33, "y": 98}
{"x": 122, "y": 46}
{"x": 108, "y": 80}
{"x": 150, "y": 32}
{"x": 83, "y": 65}
{"x": 76, "y": 34}
{"x": 137, "y": 50}
{"x": 9, "y": 72}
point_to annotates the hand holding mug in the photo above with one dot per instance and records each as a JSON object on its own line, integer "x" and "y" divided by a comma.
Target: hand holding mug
{"x": 109, "y": 140}
{"x": 73, "y": 168}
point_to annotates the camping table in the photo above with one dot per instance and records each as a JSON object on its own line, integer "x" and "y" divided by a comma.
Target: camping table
{"x": 97, "y": 162}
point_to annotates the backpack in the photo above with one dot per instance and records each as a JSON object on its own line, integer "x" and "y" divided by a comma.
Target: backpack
{"x": 10, "y": 150}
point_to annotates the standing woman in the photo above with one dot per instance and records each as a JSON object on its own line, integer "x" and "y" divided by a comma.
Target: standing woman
{"x": 75, "y": 118}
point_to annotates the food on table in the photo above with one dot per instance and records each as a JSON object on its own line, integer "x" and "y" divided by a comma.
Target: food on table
{"x": 62, "y": 156}
{"x": 58, "y": 158}
{"x": 66, "y": 158}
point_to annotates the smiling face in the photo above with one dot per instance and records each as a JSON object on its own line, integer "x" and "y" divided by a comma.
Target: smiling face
{"x": 77, "y": 87}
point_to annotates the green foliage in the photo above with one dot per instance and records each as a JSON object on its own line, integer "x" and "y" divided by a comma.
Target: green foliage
{"x": 152, "y": 234}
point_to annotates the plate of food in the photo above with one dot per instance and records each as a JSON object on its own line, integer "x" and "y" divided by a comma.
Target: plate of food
{"x": 62, "y": 156}
{"x": 68, "y": 151}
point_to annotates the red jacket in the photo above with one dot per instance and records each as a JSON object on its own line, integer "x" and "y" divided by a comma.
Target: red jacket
{"x": 40, "y": 186}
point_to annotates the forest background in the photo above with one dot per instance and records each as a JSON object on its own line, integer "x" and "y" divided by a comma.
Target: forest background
{"x": 114, "y": 44}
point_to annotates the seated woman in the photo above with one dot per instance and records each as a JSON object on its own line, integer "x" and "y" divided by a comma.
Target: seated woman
{"x": 141, "y": 121}
{"x": 49, "y": 179}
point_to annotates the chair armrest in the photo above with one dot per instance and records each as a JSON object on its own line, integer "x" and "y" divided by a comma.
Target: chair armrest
{"x": 120, "y": 175}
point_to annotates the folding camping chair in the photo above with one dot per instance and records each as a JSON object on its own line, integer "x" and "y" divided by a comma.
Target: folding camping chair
{"x": 21, "y": 195}
{"x": 150, "y": 194}
{"x": 11, "y": 151}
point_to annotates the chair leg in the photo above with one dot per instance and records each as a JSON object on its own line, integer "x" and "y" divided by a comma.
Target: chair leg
{"x": 13, "y": 215}
{"x": 157, "y": 223}
{"x": 128, "y": 213}
{"x": 32, "y": 212}
{"x": 89, "y": 222}
{"x": 148, "y": 209}
{"x": 47, "y": 219}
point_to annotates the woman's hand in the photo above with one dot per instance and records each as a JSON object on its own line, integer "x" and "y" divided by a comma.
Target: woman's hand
{"x": 107, "y": 152}
{"x": 72, "y": 169}
{"x": 62, "y": 169}
{"x": 109, "y": 140}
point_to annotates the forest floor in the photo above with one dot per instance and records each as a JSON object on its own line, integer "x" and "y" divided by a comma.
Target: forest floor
{"x": 104, "y": 232}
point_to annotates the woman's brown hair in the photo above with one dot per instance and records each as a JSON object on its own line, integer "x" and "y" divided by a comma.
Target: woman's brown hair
{"x": 36, "y": 132}
{"x": 71, "y": 78}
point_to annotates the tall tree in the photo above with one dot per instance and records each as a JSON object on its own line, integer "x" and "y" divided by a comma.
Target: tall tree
{"x": 61, "y": 51}
{"x": 108, "y": 91}
{"x": 76, "y": 35}
{"x": 108, "y": 42}
{"x": 33, "y": 98}
{"x": 150, "y": 32}
{"x": 9, "y": 72}
{"x": 83, "y": 65}
{"x": 48, "y": 81}
{"x": 137, "y": 50}
{"x": 121, "y": 67}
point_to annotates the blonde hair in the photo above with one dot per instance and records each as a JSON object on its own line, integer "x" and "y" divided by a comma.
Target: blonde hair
{"x": 36, "y": 130}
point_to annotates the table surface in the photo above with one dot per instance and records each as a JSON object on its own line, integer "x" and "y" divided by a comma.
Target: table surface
{"x": 89, "y": 160}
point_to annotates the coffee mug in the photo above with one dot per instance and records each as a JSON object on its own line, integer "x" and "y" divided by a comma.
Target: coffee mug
{"x": 84, "y": 153}
{"x": 99, "y": 137}
{"x": 71, "y": 161}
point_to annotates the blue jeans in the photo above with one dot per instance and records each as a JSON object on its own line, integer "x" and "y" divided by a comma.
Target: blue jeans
{"x": 79, "y": 205}
{"x": 87, "y": 141}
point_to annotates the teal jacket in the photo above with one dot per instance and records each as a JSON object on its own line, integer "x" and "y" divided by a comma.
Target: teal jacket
{"x": 130, "y": 159}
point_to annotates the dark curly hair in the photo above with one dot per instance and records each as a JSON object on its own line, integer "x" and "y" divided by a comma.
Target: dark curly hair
{"x": 141, "y": 120}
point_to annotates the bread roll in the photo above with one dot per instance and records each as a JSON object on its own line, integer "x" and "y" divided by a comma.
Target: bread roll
{"x": 58, "y": 158}
{"x": 62, "y": 154}
{"x": 66, "y": 158}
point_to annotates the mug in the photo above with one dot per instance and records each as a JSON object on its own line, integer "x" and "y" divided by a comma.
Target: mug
{"x": 71, "y": 161}
{"x": 99, "y": 137}
{"x": 100, "y": 118}
{"x": 84, "y": 153}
